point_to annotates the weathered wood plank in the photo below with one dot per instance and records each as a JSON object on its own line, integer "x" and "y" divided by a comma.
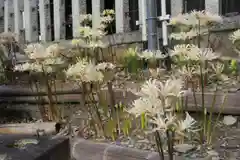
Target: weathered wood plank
{"x": 68, "y": 93}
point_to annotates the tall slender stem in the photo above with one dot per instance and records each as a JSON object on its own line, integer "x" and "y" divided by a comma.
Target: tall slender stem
{"x": 204, "y": 112}
{"x": 159, "y": 145}
{"x": 170, "y": 145}
{"x": 209, "y": 127}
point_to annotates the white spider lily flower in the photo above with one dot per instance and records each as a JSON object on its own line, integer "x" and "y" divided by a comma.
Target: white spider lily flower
{"x": 207, "y": 54}
{"x": 85, "y": 17}
{"x": 105, "y": 66}
{"x": 193, "y": 33}
{"x": 107, "y": 19}
{"x": 192, "y": 52}
{"x": 147, "y": 54}
{"x": 157, "y": 72}
{"x": 88, "y": 32}
{"x": 53, "y": 50}
{"x": 163, "y": 123}
{"x": 195, "y": 18}
{"x": 150, "y": 89}
{"x": 171, "y": 88}
{"x": 188, "y": 51}
{"x": 187, "y": 124}
{"x": 23, "y": 67}
{"x": 7, "y": 38}
{"x": 207, "y": 17}
{"x": 150, "y": 106}
{"x": 91, "y": 74}
{"x": 235, "y": 36}
{"x": 79, "y": 42}
{"x": 184, "y": 19}
{"x": 189, "y": 71}
{"x": 96, "y": 44}
{"x": 218, "y": 69}
{"x": 52, "y": 61}
{"x": 107, "y": 12}
{"x": 38, "y": 51}
{"x": 84, "y": 71}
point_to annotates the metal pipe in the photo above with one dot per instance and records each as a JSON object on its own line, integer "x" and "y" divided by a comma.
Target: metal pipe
{"x": 152, "y": 24}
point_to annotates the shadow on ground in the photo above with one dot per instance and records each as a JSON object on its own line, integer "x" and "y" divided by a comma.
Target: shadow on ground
{"x": 14, "y": 115}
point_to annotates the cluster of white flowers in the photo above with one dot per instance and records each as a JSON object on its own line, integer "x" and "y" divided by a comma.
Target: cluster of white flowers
{"x": 33, "y": 67}
{"x": 147, "y": 54}
{"x": 84, "y": 71}
{"x": 235, "y": 36}
{"x": 105, "y": 66}
{"x": 192, "y": 52}
{"x": 158, "y": 101}
{"x": 85, "y": 18}
{"x": 193, "y": 33}
{"x": 107, "y": 19}
{"x": 38, "y": 51}
{"x": 7, "y": 38}
{"x": 191, "y": 22}
{"x": 108, "y": 12}
{"x": 196, "y": 18}
{"x": 91, "y": 38}
{"x": 88, "y": 32}
{"x": 42, "y": 59}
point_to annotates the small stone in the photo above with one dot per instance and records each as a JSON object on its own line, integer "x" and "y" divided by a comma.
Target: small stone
{"x": 229, "y": 120}
{"x": 184, "y": 148}
{"x": 233, "y": 90}
{"x": 130, "y": 146}
{"x": 3, "y": 156}
{"x": 213, "y": 155}
{"x": 143, "y": 141}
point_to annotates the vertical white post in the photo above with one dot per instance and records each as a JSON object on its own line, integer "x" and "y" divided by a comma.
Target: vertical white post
{"x": 76, "y": 7}
{"x": 176, "y": 7}
{"x": 164, "y": 23}
{"x": 96, "y": 13}
{"x": 18, "y": 22}
{"x": 31, "y": 20}
{"x": 59, "y": 20}
{"x": 119, "y": 15}
{"x": 8, "y": 16}
{"x": 142, "y": 18}
{"x": 212, "y": 6}
{"x": 45, "y": 20}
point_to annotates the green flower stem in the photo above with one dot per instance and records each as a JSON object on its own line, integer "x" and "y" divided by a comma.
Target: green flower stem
{"x": 203, "y": 105}
{"x": 159, "y": 145}
{"x": 209, "y": 128}
{"x": 170, "y": 144}
{"x": 194, "y": 95}
{"x": 218, "y": 116}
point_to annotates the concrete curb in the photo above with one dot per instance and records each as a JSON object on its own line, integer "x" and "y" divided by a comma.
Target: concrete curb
{"x": 89, "y": 150}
